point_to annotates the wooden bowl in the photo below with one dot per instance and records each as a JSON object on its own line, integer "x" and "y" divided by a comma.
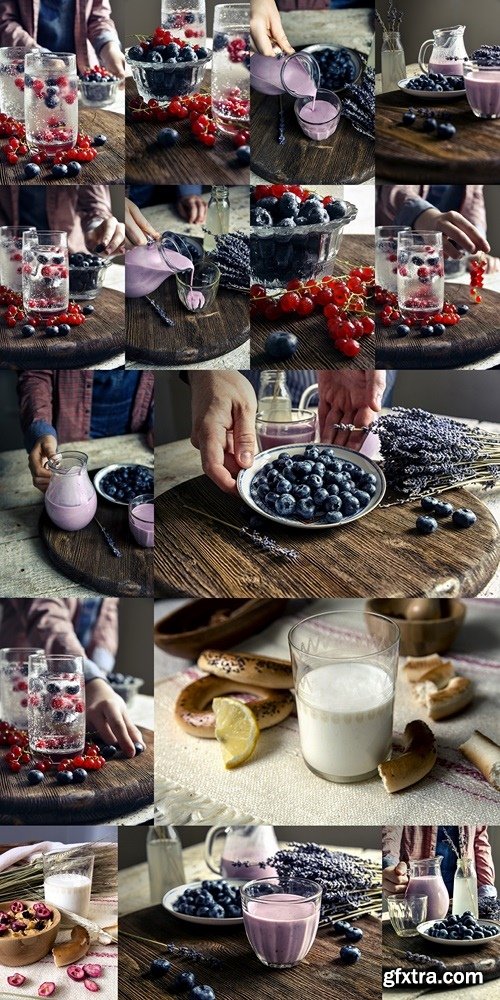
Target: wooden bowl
{"x": 421, "y": 638}
{"x": 189, "y": 630}
{"x": 19, "y": 951}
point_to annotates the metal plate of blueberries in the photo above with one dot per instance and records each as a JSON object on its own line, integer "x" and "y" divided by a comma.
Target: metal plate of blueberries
{"x": 352, "y": 57}
{"x": 171, "y": 897}
{"x": 424, "y": 928}
{"x": 369, "y": 475}
{"x": 429, "y": 95}
{"x": 102, "y": 486}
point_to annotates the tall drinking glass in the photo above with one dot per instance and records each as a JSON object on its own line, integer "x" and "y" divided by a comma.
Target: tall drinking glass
{"x": 14, "y": 684}
{"x": 281, "y": 917}
{"x": 386, "y": 256}
{"x": 12, "y": 81}
{"x": 56, "y": 705}
{"x": 67, "y": 879}
{"x": 11, "y": 255}
{"x": 420, "y": 274}
{"x": 344, "y": 666}
{"x": 45, "y": 273}
{"x": 187, "y": 22}
{"x": 231, "y": 67}
{"x": 50, "y": 100}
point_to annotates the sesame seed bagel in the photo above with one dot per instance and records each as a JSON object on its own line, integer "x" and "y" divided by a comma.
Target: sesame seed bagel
{"x": 193, "y": 706}
{"x": 247, "y": 668}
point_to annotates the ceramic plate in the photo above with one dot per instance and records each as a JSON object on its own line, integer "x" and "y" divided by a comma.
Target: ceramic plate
{"x": 99, "y": 476}
{"x": 172, "y": 896}
{"x": 429, "y": 95}
{"x": 245, "y": 477}
{"x": 446, "y": 943}
{"x": 355, "y": 56}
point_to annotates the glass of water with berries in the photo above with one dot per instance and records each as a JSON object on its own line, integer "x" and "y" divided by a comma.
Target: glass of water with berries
{"x": 231, "y": 67}
{"x": 12, "y": 81}
{"x": 45, "y": 273}
{"x": 50, "y": 100}
{"x": 186, "y": 21}
{"x": 420, "y": 277}
{"x": 14, "y": 684}
{"x": 56, "y": 705}
{"x": 386, "y": 256}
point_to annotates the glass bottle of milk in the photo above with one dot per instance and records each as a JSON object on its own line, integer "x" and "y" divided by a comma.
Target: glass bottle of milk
{"x": 166, "y": 867}
{"x": 218, "y": 211}
{"x": 274, "y": 400}
{"x": 465, "y": 888}
{"x": 393, "y": 61}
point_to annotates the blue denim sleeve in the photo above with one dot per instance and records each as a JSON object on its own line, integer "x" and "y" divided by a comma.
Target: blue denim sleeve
{"x": 36, "y": 430}
{"x": 411, "y": 210}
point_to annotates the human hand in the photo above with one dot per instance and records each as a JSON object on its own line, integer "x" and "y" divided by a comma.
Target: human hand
{"x": 223, "y": 407}
{"x": 112, "y": 57}
{"x": 266, "y": 28}
{"x": 192, "y": 208}
{"x": 44, "y": 448}
{"x": 395, "y": 879}
{"x": 108, "y": 716}
{"x": 137, "y": 227}
{"x": 109, "y": 236}
{"x": 453, "y": 226}
{"x": 493, "y": 265}
{"x": 348, "y": 397}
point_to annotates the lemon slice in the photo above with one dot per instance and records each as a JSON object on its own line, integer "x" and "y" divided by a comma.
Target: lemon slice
{"x": 236, "y": 730}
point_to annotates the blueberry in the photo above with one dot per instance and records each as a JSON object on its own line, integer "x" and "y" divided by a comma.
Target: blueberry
{"x": 187, "y": 54}
{"x": 320, "y": 496}
{"x": 409, "y": 118}
{"x": 73, "y": 168}
{"x": 31, "y": 170}
{"x": 403, "y": 330}
{"x": 285, "y": 505}
{"x": 426, "y": 525}
{"x": 53, "y": 687}
{"x": 429, "y": 504}
{"x": 301, "y": 491}
{"x": 108, "y": 752}
{"x": 220, "y": 41}
{"x": 202, "y": 52}
{"x": 153, "y": 56}
{"x": 283, "y": 485}
{"x": 79, "y": 775}
{"x": 336, "y": 209}
{"x": 64, "y": 777}
{"x": 139, "y": 747}
{"x": 281, "y": 344}
{"x": 51, "y": 101}
{"x": 159, "y": 966}
{"x": 340, "y": 926}
{"x": 430, "y": 124}
{"x": 350, "y": 505}
{"x": 167, "y": 137}
{"x": 333, "y": 503}
{"x": 350, "y": 955}
{"x": 243, "y": 155}
{"x": 201, "y": 993}
{"x": 354, "y": 934}
{"x": 439, "y": 329}
{"x": 88, "y": 310}
{"x": 446, "y": 130}
{"x": 136, "y": 53}
{"x": 463, "y": 518}
{"x": 35, "y": 776}
{"x": 59, "y": 170}
{"x": 333, "y": 517}
{"x": 462, "y": 309}
{"x": 28, "y": 330}
{"x": 99, "y": 140}
{"x": 427, "y": 330}
{"x": 443, "y": 509}
{"x": 184, "y": 981}
{"x": 64, "y": 329}
{"x": 305, "y": 508}
{"x": 362, "y": 497}
{"x": 52, "y": 331}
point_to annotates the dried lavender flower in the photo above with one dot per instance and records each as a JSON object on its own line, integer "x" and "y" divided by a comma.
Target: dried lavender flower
{"x": 159, "y": 311}
{"x": 110, "y": 540}
{"x": 232, "y": 257}
{"x": 281, "y": 125}
{"x": 359, "y": 103}
{"x": 192, "y": 955}
{"x": 266, "y": 544}
{"x": 418, "y": 959}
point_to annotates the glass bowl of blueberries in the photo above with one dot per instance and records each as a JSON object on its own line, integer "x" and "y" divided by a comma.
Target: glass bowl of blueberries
{"x": 162, "y": 72}
{"x": 121, "y": 483}
{"x": 86, "y": 275}
{"x": 125, "y": 685}
{"x": 97, "y": 87}
{"x": 294, "y": 233}
{"x": 319, "y": 486}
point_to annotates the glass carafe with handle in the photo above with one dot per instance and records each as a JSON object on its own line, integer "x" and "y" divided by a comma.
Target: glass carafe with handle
{"x": 245, "y": 851}
{"x": 70, "y": 500}
{"x": 448, "y": 52}
{"x": 465, "y": 888}
{"x": 425, "y": 879}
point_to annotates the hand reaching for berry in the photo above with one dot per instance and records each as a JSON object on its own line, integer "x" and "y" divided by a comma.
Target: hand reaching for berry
{"x": 453, "y": 226}
{"x": 348, "y": 397}
{"x": 107, "y": 715}
{"x": 137, "y": 227}
{"x": 266, "y": 28}
{"x": 109, "y": 236}
{"x": 192, "y": 208}
{"x": 43, "y": 449}
{"x": 223, "y": 406}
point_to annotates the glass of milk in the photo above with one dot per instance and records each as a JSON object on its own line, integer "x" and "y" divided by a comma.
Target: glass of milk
{"x": 344, "y": 666}
{"x": 68, "y": 879}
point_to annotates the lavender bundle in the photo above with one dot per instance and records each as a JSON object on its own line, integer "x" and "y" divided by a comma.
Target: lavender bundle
{"x": 159, "y": 311}
{"x": 394, "y": 19}
{"x": 232, "y": 257}
{"x": 359, "y": 104}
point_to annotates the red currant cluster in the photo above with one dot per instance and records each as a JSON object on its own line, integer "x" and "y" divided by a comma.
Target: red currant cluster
{"x": 337, "y": 297}
{"x": 277, "y": 190}
{"x": 477, "y": 273}
{"x": 195, "y": 108}
{"x": 19, "y": 756}
{"x": 389, "y": 313}
{"x": 16, "y": 146}
{"x": 162, "y": 36}
{"x": 15, "y": 314}
{"x": 237, "y": 50}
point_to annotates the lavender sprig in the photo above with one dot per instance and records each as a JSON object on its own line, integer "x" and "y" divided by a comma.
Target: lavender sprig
{"x": 359, "y": 104}
{"x": 418, "y": 959}
{"x": 192, "y": 955}
{"x": 281, "y": 123}
{"x": 159, "y": 311}
{"x": 266, "y": 544}
{"x": 232, "y": 257}
{"x": 110, "y": 540}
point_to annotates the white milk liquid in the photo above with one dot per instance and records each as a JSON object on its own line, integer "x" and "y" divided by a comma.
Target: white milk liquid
{"x": 345, "y": 719}
{"x": 69, "y": 891}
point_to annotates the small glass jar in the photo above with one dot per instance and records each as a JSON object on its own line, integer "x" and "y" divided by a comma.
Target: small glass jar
{"x": 165, "y": 864}
{"x": 218, "y": 212}
{"x": 393, "y": 61}
{"x": 465, "y": 888}
{"x": 274, "y": 401}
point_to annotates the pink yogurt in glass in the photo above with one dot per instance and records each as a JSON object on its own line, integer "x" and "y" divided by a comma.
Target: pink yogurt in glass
{"x": 141, "y": 519}
{"x": 281, "y": 927}
{"x": 318, "y": 117}
{"x": 482, "y": 87}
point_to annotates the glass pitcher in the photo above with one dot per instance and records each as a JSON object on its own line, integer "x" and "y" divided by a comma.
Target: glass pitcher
{"x": 448, "y": 52}
{"x": 253, "y": 845}
{"x": 70, "y": 500}
{"x": 425, "y": 879}
{"x": 465, "y": 888}
{"x": 297, "y": 74}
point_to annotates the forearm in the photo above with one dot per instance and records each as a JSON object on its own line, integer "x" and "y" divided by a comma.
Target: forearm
{"x": 35, "y": 395}
{"x": 93, "y": 205}
{"x": 100, "y": 26}
{"x": 11, "y": 31}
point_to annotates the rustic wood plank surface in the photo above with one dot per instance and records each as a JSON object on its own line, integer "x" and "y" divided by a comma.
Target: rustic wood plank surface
{"x": 408, "y": 155}
{"x": 108, "y": 166}
{"x": 121, "y": 786}
{"x": 316, "y": 350}
{"x": 102, "y": 336}
{"x": 188, "y": 160}
{"x": 242, "y": 976}
{"x": 85, "y": 556}
{"x": 347, "y": 157}
{"x": 477, "y": 959}
{"x": 194, "y": 337}
{"x": 380, "y": 553}
{"x": 26, "y": 569}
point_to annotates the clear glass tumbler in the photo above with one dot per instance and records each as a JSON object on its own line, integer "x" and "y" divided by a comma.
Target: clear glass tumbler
{"x": 68, "y": 879}
{"x": 45, "y": 273}
{"x": 11, "y": 256}
{"x": 420, "y": 277}
{"x": 188, "y": 23}
{"x": 12, "y": 81}
{"x": 386, "y": 256}
{"x": 198, "y": 289}
{"x": 406, "y": 914}
{"x": 14, "y": 684}
{"x": 50, "y": 100}
{"x": 231, "y": 67}
{"x": 56, "y": 705}
{"x": 281, "y": 917}
{"x": 344, "y": 666}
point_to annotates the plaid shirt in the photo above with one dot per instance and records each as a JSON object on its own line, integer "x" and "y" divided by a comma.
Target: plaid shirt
{"x": 413, "y": 843}
{"x": 72, "y": 210}
{"x": 93, "y": 27}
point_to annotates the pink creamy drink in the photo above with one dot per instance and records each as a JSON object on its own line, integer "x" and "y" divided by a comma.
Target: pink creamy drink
{"x": 296, "y": 74}
{"x": 272, "y": 434}
{"x": 281, "y": 927}
{"x": 318, "y": 118}
{"x": 250, "y": 870}
{"x": 434, "y": 888}
{"x": 482, "y": 87}
{"x": 147, "y": 267}
{"x": 70, "y": 500}
{"x": 447, "y": 68}
{"x": 141, "y": 519}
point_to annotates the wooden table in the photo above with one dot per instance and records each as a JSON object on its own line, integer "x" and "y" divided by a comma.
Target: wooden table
{"x": 316, "y": 350}
{"x": 188, "y": 160}
{"x": 484, "y": 959}
{"x": 108, "y": 166}
{"x": 27, "y": 571}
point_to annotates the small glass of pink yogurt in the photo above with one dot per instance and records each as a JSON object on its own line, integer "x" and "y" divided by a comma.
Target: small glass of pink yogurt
{"x": 281, "y": 918}
{"x": 482, "y": 88}
{"x": 198, "y": 289}
{"x": 141, "y": 519}
{"x": 318, "y": 116}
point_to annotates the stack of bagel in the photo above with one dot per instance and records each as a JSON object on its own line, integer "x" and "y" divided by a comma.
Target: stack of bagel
{"x": 262, "y": 681}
